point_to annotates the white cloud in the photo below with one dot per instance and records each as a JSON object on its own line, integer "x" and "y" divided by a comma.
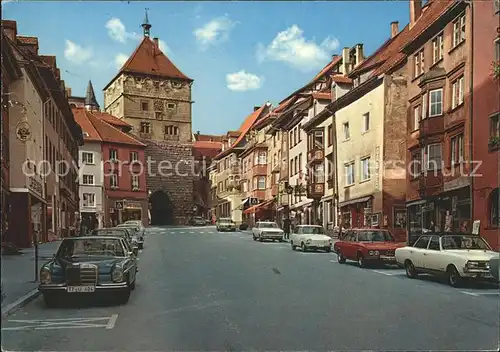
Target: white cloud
{"x": 242, "y": 81}
{"x": 76, "y": 53}
{"x": 214, "y": 31}
{"x": 118, "y": 32}
{"x": 163, "y": 46}
{"x": 290, "y": 46}
{"x": 120, "y": 59}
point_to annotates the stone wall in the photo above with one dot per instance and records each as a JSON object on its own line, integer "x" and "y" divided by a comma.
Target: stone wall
{"x": 171, "y": 170}
{"x": 394, "y": 158}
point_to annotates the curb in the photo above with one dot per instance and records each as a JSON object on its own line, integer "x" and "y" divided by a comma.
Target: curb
{"x": 19, "y": 303}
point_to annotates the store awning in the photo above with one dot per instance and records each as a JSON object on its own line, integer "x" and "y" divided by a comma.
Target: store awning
{"x": 262, "y": 206}
{"x": 354, "y": 201}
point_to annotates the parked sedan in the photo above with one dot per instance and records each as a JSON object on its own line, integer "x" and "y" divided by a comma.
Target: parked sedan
{"x": 367, "y": 246}
{"x": 135, "y": 233}
{"x": 225, "y": 224}
{"x": 197, "y": 221}
{"x": 266, "y": 230}
{"x": 117, "y": 232}
{"x": 310, "y": 237}
{"x": 88, "y": 265}
{"x": 456, "y": 256}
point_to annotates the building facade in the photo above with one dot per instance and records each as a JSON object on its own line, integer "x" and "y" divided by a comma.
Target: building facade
{"x": 231, "y": 197}
{"x": 486, "y": 118}
{"x": 439, "y": 117}
{"x": 152, "y": 95}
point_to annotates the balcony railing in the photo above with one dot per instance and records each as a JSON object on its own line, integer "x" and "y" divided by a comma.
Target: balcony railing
{"x": 315, "y": 155}
{"x": 315, "y": 190}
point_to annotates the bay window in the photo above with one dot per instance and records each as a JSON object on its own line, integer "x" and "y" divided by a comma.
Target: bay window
{"x": 436, "y": 102}
{"x": 433, "y": 156}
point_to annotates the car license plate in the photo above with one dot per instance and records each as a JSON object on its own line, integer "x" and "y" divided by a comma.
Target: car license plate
{"x": 387, "y": 258}
{"x": 81, "y": 289}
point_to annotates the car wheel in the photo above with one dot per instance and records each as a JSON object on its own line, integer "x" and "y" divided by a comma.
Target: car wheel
{"x": 340, "y": 258}
{"x": 261, "y": 239}
{"x": 453, "y": 277}
{"x": 303, "y": 246}
{"x": 361, "y": 261}
{"x": 328, "y": 249}
{"x": 254, "y": 238}
{"x": 293, "y": 246}
{"x": 50, "y": 300}
{"x": 411, "y": 272}
{"x": 132, "y": 285}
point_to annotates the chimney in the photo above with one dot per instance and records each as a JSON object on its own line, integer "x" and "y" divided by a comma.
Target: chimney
{"x": 255, "y": 108}
{"x": 394, "y": 29}
{"x": 360, "y": 57}
{"x": 68, "y": 92}
{"x": 345, "y": 61}
{"x": 415, "y": 11}
{"x": 10, "y": 29}
{"x": 155, "y": 40}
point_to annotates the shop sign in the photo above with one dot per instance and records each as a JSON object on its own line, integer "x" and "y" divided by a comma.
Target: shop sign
{"x": 475, "y": 227}
{"x": 35, "y": 186}
{"x": 134, "y": 205}
{"x": 119, "y": 205}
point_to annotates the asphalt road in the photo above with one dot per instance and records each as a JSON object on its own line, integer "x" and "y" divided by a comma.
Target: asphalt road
{"x": 201, "y": 290}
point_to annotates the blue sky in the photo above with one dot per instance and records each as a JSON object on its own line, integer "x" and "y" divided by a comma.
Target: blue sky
{"x": 240, "y": 54}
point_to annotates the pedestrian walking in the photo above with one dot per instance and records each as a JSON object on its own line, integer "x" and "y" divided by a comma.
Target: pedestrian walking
{"x": 286, "y": 228}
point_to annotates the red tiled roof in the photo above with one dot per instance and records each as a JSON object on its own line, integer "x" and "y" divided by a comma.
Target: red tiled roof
{"x": 100, "y": 130}
{"x": 90, "y": 134}
{"x": 208, "y": 137}
{"x": 335, "y": 60}
{"x": 149, "y": 59}
{"x": 245, "y": 126}
{"x": 434, "y": 10}
{"x": 207, "y": 145}
{"x": 322, "y": 96}
{"x": 341, "y": 79}
{"x": 389, "y": 54}
{"x": 112, "y": 120}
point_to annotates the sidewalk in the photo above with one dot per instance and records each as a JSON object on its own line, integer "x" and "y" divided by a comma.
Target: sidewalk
{"x": 18, "y": 275}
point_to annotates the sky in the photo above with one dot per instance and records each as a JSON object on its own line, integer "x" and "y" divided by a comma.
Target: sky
{"x": 240, "y": 54}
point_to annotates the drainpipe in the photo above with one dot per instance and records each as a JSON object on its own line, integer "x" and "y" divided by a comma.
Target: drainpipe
{"x": 471, "y": 108}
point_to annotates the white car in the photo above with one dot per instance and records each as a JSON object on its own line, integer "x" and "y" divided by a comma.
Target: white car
{"x": 455, "y": 255}
{"x": 267, "y": 230}
{"x": 310, "y": 237}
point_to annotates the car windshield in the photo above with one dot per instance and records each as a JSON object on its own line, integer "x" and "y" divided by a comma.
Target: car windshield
{"x": 225, "y": 221}
{"x": 109, "y": 232}
{"x": 131, "y": 228}
{"x": 111, "y": 247}
{"x": 269, "y": 225}
{"x": 375, "y": 236}
{"x": 463, "y": 242}
{"x": 312, "y": 230}
{"x": 198, "y": 218}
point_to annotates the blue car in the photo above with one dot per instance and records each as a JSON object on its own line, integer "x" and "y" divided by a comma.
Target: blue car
{"x": 88, "y": 265}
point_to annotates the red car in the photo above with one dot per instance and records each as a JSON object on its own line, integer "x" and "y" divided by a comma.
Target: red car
{"x": 367, "y": 246}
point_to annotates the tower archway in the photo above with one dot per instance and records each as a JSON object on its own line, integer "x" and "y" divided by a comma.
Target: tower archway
{"x": 162, "y": 209}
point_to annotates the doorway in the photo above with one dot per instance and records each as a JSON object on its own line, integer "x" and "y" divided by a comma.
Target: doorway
{"x": 162, "y": 211}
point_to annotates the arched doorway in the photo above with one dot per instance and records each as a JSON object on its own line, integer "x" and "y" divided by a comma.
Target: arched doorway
{"x": 162, "y": 211}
